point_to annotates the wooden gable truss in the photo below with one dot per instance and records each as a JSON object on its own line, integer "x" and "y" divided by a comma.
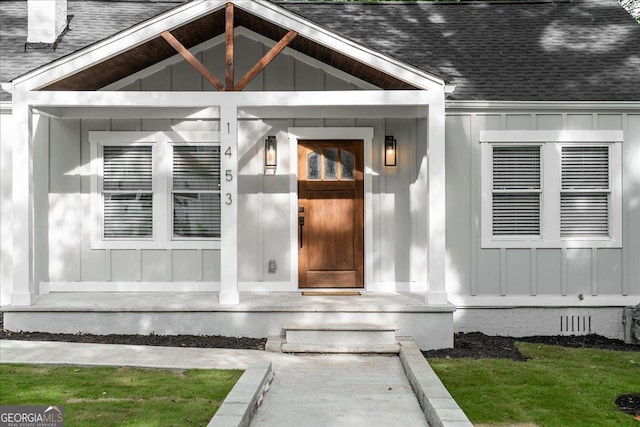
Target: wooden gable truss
{"x": 229, "y": 56}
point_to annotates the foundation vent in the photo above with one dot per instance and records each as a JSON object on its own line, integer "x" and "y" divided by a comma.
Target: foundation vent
{"x": 575, "y": 325}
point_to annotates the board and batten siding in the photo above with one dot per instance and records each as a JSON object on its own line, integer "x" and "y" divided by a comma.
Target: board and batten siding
{"x": 70, "y": 256}
{"x": 6, "y": 206}
{"x": 263, "y": 200}
{"x": 263, "y": 206}
{"x": 474, "y": 271}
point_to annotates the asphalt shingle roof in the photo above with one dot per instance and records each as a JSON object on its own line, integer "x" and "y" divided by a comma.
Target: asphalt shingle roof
{"x": 561, "y": 51}
{"x": 91, "y": 21}
{"x": 553, "y": 51}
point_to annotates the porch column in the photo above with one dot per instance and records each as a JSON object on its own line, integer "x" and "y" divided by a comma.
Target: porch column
{"x": 23, "y": 202}
{"x": 436, "y": 293}
{"x": 229, "y": 204}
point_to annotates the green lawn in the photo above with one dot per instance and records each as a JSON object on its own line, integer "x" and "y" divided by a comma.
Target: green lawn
{"x": 558, "y": 386}
{"x": 108, "y": 396}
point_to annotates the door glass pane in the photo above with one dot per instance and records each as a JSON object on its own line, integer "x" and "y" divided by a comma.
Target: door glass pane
{"x": 330, "y": 163}
{"x": 313, "y": 165}
{"x": 347, "y": 164}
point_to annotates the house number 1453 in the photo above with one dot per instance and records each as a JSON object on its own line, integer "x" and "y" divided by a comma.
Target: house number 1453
{"x": 228, "y": 174}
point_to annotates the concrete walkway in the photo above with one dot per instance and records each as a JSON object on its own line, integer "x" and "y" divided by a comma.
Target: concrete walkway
{"x": 63, "y": 353}
{"x": 323, "y": 390}
{"x": 340, "y": 390}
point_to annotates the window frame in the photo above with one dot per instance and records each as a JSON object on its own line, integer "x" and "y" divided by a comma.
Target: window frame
{"x": 551, "y": 143}
{"x": 171, "y": 191}
{"x": 587, "y": 191}
{"x": 102, "y": 192}
{"x": 538, "y": 191}
{"x": 162, "y": 166}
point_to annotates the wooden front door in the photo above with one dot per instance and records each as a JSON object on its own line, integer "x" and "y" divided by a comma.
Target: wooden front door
{"x": 330, "y": 214}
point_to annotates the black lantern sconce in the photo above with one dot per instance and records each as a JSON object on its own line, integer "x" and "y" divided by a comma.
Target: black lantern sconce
{"x": 270, "y": 154}
{"x": 390, "y": 151}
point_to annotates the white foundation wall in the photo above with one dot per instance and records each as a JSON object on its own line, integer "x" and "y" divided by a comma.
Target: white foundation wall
{"x": 531, "y": 321}
{"x": 516, "y": 277}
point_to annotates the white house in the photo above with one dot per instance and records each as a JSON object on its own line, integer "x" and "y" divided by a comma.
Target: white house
{"x": 191, "y": 167}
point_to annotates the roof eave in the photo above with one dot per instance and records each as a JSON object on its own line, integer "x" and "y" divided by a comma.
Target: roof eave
{"x": 541, "y": 105}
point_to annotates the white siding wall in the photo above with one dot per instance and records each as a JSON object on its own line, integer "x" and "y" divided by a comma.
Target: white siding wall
{"x": 263, "y": 208}
{"x": 474, "y": 271}
{"x": 6, "y": 234}
{"x": 264, "y": 201}
{"x": 70, "y": 257}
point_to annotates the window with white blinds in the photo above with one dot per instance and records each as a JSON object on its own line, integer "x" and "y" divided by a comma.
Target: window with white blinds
{"x": 551, "y": 189}
{"x": 196, "y": 191}
{"x": 516, "y": 190}
{"x": 585, "y": 192}
{"x": 155, "y": 190}
{"x": 127, "y": 190}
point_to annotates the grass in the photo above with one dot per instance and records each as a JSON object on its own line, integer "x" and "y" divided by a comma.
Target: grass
{"x": 108, "y": 396}
{"x": 558, "y": 386}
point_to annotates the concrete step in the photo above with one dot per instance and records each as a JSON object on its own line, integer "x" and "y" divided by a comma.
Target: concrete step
{"x": 340, "y": 337}
{"x": 342, "y": 349}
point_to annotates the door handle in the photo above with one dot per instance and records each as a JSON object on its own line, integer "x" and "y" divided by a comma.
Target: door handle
{"x": 301, "y": 228}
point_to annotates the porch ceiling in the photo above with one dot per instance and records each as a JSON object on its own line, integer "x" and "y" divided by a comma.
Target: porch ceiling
{"x": 207, "y": 27}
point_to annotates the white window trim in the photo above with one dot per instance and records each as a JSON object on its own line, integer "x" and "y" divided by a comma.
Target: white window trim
{"x": 162, "y": 142}
{"x": 171, "y": 191}
{"x": 551, "y": 142}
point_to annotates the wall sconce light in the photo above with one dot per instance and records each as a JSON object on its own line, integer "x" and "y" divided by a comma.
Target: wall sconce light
{"x": 390, "y": 151}
{"x": 270, "y": 153}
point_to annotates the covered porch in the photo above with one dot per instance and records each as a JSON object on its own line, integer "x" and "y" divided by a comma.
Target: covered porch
{"x": 422, "y": 243}
{"x": 230, "y": 305}
{"x": 151, "y": 87}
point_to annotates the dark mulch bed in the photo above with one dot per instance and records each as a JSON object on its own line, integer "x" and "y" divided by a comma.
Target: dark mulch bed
{"x": 478, "y": 345}
{"x": 198, "y": 341}
{"x": 629, "y": 404}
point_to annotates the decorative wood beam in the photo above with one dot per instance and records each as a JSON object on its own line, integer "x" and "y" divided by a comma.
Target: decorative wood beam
{"x": 266, "y": 59}
{"x": 228, "y": 40}
{"x": 192, "y": 60}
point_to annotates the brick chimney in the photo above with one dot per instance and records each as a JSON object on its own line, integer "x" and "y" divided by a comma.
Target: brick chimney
{"x": 47, "y": 22}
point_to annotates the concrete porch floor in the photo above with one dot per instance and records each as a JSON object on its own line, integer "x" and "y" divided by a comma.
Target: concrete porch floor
{"x": 259, "y": 314}
{"x": 208, "y": 301}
